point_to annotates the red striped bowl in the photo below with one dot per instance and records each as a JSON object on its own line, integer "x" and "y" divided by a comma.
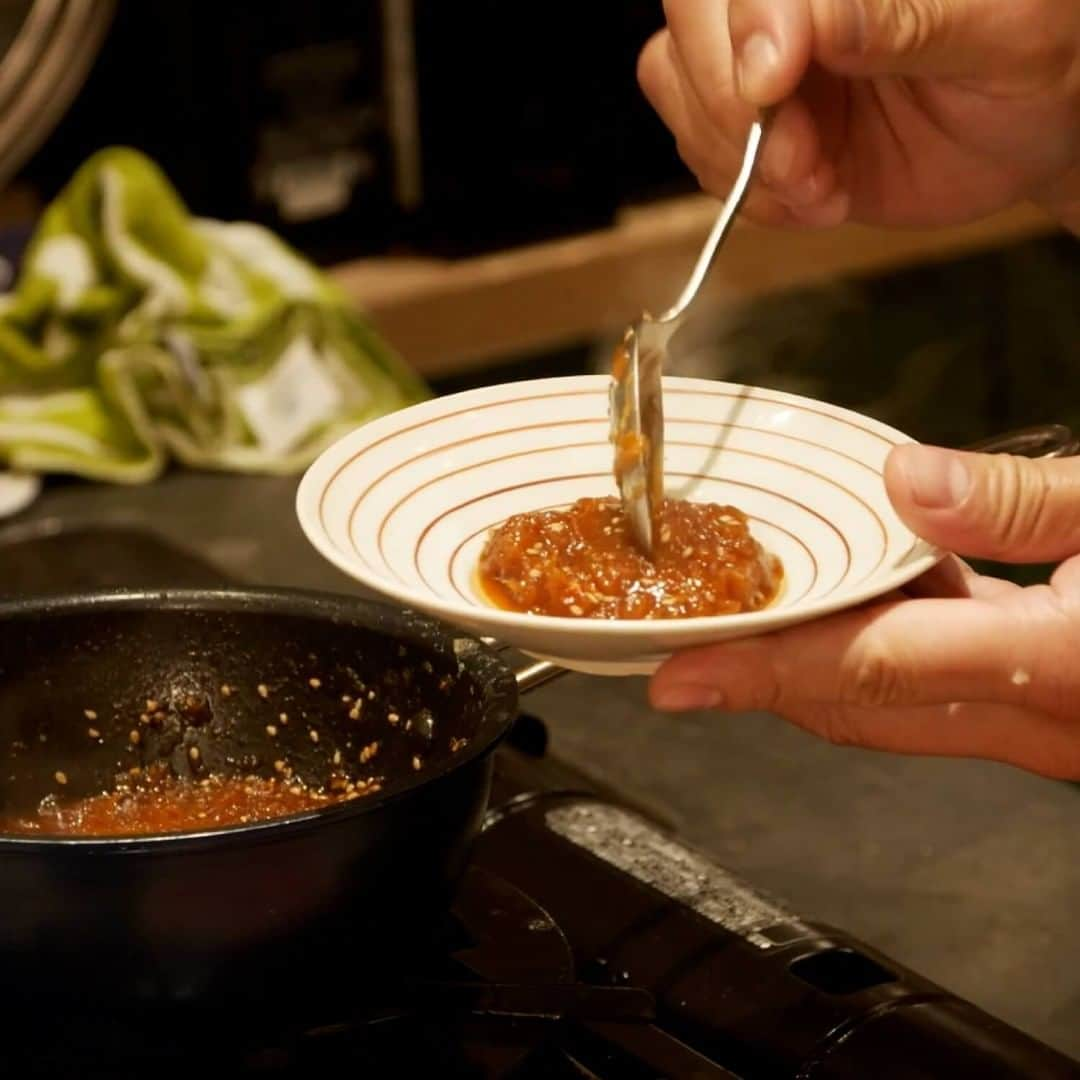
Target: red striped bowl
{"x": 405, "y": 504}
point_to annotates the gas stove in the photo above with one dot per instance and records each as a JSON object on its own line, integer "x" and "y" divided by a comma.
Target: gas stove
{"x": 586, "y": 941}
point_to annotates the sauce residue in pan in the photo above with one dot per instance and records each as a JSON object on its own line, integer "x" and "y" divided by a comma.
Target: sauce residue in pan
{"x": 158, "y": 802}
{"x": 581, "y": 562}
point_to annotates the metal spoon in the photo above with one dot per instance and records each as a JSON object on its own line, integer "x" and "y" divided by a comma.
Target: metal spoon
{"x": 636, "y": 405}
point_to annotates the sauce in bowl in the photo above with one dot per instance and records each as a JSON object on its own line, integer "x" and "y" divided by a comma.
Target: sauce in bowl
{"x": 581, "y": 562}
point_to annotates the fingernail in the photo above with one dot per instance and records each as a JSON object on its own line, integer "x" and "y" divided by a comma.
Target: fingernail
{"x": 684, "y": 697}
{"x": 938, "y": 478}
{"x": 756, "y": 65}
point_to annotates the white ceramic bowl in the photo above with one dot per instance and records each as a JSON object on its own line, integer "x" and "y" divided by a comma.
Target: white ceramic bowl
{"x": 405, "y": 503}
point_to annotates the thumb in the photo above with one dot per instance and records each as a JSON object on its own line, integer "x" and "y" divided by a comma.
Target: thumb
{"x": 774, "y": 41}
{"x": 988, "y": 506}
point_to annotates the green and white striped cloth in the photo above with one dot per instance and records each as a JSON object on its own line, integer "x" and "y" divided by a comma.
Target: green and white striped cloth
{"x": 137, "y": 334}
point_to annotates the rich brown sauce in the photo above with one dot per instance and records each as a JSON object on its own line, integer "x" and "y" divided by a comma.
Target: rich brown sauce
{"x": 581, "y": 562}
{"x": 158, "y": 802}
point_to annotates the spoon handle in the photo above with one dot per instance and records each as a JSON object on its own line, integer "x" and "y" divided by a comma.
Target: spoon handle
{"x": 734, "y": 201}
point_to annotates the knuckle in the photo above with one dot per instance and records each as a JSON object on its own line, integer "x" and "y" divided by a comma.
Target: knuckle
{"x": 873, "y": 27}
{"x": 875, "y": 678}
{"x": 912, "y": 24}
{"x": 835, "y": 724}
{"x": 1020, "y": 500}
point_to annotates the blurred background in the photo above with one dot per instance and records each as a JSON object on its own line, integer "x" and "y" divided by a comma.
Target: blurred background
{"x": 398, "y": 143}
{"x": 488, "y": 185}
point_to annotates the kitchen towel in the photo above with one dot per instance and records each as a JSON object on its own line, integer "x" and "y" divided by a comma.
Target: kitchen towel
{"x": 137, "y": 333}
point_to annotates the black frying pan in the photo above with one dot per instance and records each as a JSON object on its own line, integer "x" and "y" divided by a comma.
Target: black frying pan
{"x": 166, "y": 916}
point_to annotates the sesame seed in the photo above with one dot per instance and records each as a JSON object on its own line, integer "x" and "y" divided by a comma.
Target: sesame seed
{"x": 151, "y": 705}
{"x": 314, "y": 735}
{"x": 271, "y": 730}
{"x": 93, "y": 733}
{"x": 417, "y": 764}
{"x": 337, "y": 757}
{"x": 283, "y": 717}
{"x": 263, "y": 691}
{"x": 279, "y": 766}
{"x": 392, "y": 717}
{"x": 193, "y": 753}
{"x": 89, "y": 714}
{"x": 61, "y": 778}
{"x": 346, "y": 699}
{"x": 577, "y": 609}
{"x": 226, "y": 690}
{"x": 134, "y": 737}
{"x": 314, "y": 683}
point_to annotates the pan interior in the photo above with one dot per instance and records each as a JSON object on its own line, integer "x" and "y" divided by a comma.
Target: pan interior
{"x": 224, "y": 686}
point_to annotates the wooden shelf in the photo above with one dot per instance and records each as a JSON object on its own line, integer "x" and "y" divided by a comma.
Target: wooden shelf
{"x": 445, "y": 317}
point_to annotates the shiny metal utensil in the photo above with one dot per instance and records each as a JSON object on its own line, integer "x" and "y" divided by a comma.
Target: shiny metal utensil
{"x": 636, "y": 399}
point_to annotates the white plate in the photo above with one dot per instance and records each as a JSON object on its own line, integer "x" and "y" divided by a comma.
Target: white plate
{"x": 405, "y": 503}
{"x": 17, "y": 492}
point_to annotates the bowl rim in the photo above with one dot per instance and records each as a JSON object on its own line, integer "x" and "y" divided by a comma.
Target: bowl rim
{"x": 315, "y": 482}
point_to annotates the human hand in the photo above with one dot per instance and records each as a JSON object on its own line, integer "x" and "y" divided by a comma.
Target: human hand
{"x": 966, "y": 665}
{"x": 891, "y": 112}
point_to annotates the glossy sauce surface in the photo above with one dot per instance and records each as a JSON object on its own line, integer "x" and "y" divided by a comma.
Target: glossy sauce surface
{"x": 158, "y": 802}
{"x": 581, "y": 562}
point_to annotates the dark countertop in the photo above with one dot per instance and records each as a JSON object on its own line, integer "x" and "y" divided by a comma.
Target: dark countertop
{"x": 968, "y": 872}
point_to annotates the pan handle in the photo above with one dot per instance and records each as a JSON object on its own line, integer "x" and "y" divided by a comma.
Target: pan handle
{"x": 1040, "y": 441}
{"x": 532, "y": 675}
{"x": 537, "y": 674}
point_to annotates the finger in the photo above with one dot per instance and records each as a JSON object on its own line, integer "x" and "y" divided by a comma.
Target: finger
{"x": 713, "y": 161}
{"x": 774, "y": 41}
{"x": 792, "y": 164}
{"x": 771, "y": 41}
{"x": 911, "y": 652}
{"x": 990, "y": 506}
{"x": 699, "y": 35}
{"x": 795, "y": 169}
{"x": 1027, "y": 738}
{"x": 953, "y": 578}
{"x": 1066, "y": 582}
{"x": 950, "y": 578}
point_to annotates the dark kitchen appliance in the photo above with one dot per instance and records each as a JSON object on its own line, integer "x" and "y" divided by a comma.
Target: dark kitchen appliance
{"x": 373, "y": 125}
{"x": 586, "y": 941}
